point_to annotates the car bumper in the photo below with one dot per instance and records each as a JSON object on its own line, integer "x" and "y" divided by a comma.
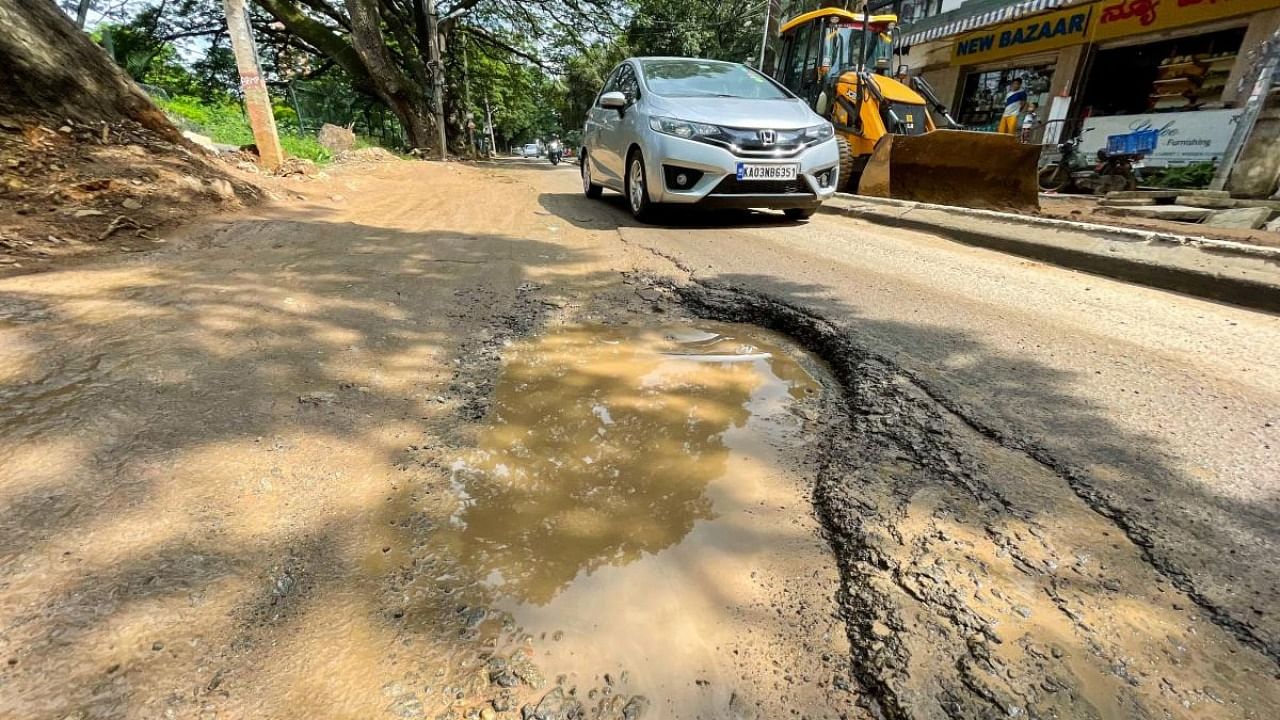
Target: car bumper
{"x": 718, "y": 185}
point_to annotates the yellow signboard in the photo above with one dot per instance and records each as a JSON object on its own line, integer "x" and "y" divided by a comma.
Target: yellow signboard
{"x": 1028, "y": 35}
{"x": 1119, "y": 18}
{"x": 1099, "y": 21}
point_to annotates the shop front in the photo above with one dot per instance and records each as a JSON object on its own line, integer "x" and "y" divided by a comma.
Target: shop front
{"x": 1042, "y": 52}
{"x": 1175, "y": 66}
{"x": 1117, "y": 65}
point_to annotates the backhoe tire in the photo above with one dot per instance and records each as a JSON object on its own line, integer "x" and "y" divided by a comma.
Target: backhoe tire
{"x": 845, "y": 181}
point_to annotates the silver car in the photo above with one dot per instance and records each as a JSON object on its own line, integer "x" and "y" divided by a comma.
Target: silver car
{"x": 667, "y": 130}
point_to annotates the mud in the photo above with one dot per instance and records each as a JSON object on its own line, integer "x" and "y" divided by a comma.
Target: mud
{"x": 628, "y": 500}
{"x": 975, "y": 581}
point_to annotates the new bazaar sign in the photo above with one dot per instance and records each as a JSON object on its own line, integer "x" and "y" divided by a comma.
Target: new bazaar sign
{"x": 1087, "y": 23}
{"x": 1033, "y": 34}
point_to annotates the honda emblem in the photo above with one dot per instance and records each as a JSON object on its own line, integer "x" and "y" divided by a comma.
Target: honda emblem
{"x": 768, "y": 137}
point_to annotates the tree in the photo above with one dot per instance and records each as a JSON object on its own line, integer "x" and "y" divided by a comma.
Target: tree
{"x": 49, "y": 66}
{"x": 584, "y": 75}
{"x": 382, "y": 44}
{"x": 715, "y": 29}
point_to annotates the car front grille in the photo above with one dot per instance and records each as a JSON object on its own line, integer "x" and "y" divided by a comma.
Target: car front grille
{"x": 731, "y": 185}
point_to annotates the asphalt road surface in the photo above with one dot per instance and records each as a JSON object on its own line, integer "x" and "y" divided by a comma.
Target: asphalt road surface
{"x": 435, "y": 439}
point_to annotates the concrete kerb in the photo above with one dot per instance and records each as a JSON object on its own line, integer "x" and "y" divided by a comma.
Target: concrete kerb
{"x": 1237, "y": 273}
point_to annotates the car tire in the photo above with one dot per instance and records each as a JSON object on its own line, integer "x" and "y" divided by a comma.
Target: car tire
{"x": 637, "y": 185}
{"x": 590, "y": 189}
{"x": 800, "y": 213}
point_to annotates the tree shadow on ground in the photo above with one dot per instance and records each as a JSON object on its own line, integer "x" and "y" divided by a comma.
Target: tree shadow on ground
{"x": 210, "y": 465}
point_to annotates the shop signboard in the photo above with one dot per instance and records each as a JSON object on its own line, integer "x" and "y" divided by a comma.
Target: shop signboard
{"x": 1038, "y": 33}
{"x": 1121, "y": 18}
{"x": 1185, "y": 137}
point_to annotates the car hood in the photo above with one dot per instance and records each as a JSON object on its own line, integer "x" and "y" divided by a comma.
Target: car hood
{"x": 738, "y": 112}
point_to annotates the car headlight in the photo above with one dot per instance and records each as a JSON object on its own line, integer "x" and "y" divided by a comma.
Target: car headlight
{"x": 683, "y": 128}
{"x": 819, "y": 132}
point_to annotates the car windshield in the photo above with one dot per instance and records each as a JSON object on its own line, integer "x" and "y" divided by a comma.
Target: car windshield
{"x": 698, "y": 78}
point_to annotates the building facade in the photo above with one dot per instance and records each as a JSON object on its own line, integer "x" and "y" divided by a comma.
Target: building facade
{"x": 1112, "y": 66}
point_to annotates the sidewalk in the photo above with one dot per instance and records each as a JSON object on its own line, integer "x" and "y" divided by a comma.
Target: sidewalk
{"x": 1231, "y": 272}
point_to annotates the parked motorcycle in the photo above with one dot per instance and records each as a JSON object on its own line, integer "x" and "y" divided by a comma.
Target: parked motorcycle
{"x": 1111, "y": 172}
{"x": 555, "y": 152}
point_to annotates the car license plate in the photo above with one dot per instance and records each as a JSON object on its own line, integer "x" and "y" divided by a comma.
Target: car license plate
{"x": 758, "y": 171}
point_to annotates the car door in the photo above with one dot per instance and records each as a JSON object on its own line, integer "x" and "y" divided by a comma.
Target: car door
{"x": 592, "y": 132}
{"x": 613, "y": 137}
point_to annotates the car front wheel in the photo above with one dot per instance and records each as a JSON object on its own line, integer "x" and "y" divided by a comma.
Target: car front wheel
{"x": 638, "y": 188}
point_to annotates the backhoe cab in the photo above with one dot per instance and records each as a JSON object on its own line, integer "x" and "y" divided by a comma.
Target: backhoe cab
{"x": 890, "y": 145}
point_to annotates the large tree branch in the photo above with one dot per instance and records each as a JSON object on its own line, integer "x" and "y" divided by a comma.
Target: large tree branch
{"x": 492, "y": 41}
{"x": 322, "y": 38}
{"x": 458, "y": 10}
{"x": 328, "y": 11}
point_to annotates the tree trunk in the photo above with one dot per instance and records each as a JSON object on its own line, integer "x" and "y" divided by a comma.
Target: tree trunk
{"x": 48, "y": 66}
{"x": 404, "y": 96}
{"x": 417, "y": 123}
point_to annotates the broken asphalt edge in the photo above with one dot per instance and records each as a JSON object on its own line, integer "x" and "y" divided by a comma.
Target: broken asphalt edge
{"x": 1220, "y": 270}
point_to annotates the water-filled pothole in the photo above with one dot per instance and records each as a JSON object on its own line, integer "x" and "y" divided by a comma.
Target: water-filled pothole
{"x": 635, "y": 498}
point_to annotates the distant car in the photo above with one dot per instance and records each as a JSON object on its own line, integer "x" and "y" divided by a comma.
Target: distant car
{"x": 683, "y": 131}
{"x": 530, "y": 150}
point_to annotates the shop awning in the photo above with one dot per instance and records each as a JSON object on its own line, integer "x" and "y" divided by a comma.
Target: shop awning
{"x": 972, "y": 15}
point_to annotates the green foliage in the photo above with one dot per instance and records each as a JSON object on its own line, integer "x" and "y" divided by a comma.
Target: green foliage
{"x": 1195, "y": 175}
{"x": 584, "y": 75}
{"x": 714, "y": 29}
{"x": 224, "y": 122}
{"x": 524, "y": 98}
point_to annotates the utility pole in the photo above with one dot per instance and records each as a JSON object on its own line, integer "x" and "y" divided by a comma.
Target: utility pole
{"x": 437, "y": 74}
{"x": 256, "y": 101}
{"x": 764, "y": 36}
{"x": 466, "y": 96}
{"x": 488, "y": 123}
{"x": 82, "y": 13}
{"x": 1269, "y": 62}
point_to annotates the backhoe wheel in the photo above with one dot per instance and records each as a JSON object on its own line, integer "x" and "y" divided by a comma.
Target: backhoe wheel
{"x": 845, "y": 182}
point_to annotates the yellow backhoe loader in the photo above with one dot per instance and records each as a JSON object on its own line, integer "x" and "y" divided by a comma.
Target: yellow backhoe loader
{"x": 890, "y": 141}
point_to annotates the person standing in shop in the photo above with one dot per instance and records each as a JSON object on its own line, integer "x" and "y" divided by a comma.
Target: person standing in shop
{"x": 1015, "y": 104}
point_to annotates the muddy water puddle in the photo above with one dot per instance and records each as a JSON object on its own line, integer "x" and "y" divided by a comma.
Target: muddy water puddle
{"x": 633, "y": 507}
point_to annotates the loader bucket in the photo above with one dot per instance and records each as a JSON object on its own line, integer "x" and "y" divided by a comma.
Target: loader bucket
{"x": 954, "y": 167}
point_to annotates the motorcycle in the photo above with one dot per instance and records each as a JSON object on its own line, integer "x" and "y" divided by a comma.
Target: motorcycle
{"x": 555, "y": 152}
{"x": 1111, "y": 172}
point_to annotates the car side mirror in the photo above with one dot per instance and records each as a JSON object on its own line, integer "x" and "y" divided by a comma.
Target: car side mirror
{"x": 613, "y": 100}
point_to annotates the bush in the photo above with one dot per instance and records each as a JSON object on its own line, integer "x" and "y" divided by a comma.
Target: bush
{"x": 224, "y": 122}
{"x": 1194, "y": 176}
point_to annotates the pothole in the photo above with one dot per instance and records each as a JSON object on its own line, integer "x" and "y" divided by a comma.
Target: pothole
{"x": 635, "y": 503}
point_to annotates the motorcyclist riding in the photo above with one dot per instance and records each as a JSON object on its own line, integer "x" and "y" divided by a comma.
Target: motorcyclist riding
{"x": 555, "y": 150}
